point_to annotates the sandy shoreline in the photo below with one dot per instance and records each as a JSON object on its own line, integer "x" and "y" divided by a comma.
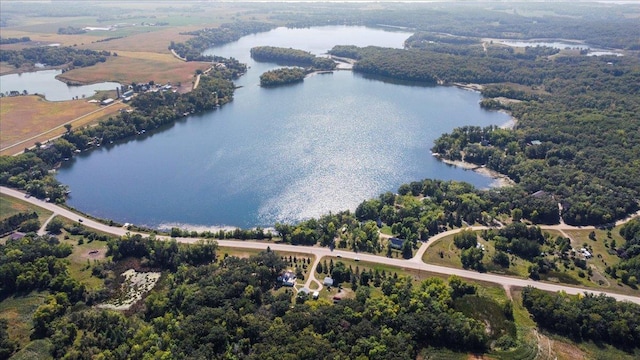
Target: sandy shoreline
{"x": 501, "y": 180}
{"x": 205, "y": 228}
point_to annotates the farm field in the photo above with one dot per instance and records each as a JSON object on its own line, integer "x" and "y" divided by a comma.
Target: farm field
{"x": 30, "y": 119}
{"x": 129, "y": 67}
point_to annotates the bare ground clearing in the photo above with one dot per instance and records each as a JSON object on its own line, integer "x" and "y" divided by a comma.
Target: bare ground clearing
{"x": 135, "y": 285}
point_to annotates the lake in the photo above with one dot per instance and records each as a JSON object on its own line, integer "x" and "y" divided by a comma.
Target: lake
{"x": 280, "y": 154}
{"x": 44, "y": 82}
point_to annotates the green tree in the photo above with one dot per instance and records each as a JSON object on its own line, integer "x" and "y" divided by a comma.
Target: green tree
{"x": 501, "y": 258}
{"x": 54, "y": 226}
{"x": 465, "y": 239}
{"x": 472, "y": 259}
{"x": 30, "y": 225}
{"x": 7, "y": 346}
{"x": 516, "y": 214}
{"x": 407, "y": 249}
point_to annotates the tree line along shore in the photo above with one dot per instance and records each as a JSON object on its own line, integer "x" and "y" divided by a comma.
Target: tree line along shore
{"x": 576, "y": 135}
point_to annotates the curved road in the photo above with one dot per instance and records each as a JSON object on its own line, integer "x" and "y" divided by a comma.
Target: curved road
{"x": 415, "y": 263}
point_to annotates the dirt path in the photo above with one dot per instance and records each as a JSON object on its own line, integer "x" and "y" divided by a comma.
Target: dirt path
{"x": 175, "y": 54}
{"x": 43, "y": 228}
{"x": 312, "y": 277}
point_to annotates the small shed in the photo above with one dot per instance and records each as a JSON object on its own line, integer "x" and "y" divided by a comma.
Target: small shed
{"x": 16, "y": 235}
{"x": 304, "y": 290}
{"x": 328, "y": 281}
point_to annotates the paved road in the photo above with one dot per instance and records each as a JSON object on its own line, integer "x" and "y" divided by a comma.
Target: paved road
{"x": 319, "y": 252}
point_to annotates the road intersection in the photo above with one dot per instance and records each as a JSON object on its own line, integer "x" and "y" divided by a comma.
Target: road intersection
{"x": 414, "y": 263}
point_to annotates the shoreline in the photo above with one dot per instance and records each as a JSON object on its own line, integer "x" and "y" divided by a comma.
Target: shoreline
{"x": 166, "y": 227}
{"x": 500, "y": 180}
{"x": 513, "y": 121}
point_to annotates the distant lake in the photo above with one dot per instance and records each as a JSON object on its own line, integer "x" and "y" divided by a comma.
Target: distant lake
{"x": 280, "y": 154}
{"x": 44, "y": 82}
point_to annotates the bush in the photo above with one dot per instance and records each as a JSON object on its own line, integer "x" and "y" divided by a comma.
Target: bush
{"x": 54, "y": 226}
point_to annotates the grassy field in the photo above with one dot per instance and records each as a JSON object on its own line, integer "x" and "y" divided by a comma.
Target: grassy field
{"x": 149, "y": 42}
{"x": 139, "y": 67}
{"x": 445, "y": 253}
{"x": 29, "y": 119}
{"x": 18, "y": 310}
{"x": 85, "y": 255}
{"x": 11, "y": 206}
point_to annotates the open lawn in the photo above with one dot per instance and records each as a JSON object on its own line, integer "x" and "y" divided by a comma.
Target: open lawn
{"x": 131, "y": 67}
{"x": 29, "y": 119}
{"x": 445, "y": 253}
{"x": 86, "y": 254}
{"x": 10, "y": 206}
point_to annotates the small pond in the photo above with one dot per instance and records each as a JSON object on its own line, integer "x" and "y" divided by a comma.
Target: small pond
{"x": 45, "y": 83}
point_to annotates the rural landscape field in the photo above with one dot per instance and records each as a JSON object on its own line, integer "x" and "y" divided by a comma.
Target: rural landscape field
{"x": 522, "y": 241}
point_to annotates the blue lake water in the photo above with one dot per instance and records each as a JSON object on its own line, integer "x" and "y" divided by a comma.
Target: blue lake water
{"x": 280, "y": 154}
{"x": 44, "y": 82}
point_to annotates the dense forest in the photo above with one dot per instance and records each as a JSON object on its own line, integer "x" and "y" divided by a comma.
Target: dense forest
{"x": 193, "y": 49}
{"x": 590, "y": 317}
{"x": 628, "y": 270}
{"x": 4, "y": 41}
{"x": 590, "y": 23}
{"x": 282, "y": 76}
{"x": 210, "y": 307}
{"x": 557, "y": 146}
{"x": 287, "y": 56}
{"x": 418, "y": 211}
{"x": 53, "y": 56}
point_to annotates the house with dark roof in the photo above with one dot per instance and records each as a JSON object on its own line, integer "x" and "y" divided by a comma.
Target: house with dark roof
{"x": 396, "y": 243}
{"x": 288, "y": 278}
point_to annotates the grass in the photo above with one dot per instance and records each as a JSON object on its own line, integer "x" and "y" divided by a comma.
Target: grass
{"x": 81, "y": 263}
{"x": 31, "y": 117}
{"x": 386, "y": 230}
{"x": 18, "y": 311}
{"x": 37, "y": 349}
{"x": 81, "y": 260}
{"x": 139, "y": 67}
{"x": 149, "y": 42}
{"x": 10, "y": 206}
{"x": 445, "y": 253}
{"x": 552, "y": 346}
{"x": 600, "y": 251}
